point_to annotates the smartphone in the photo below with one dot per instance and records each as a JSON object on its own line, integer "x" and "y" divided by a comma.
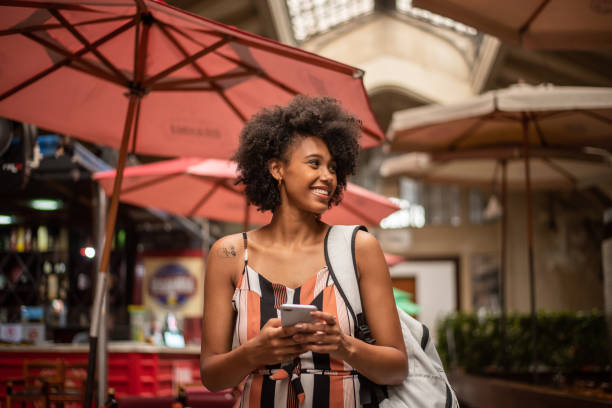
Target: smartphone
{"x": 292, "y": 314}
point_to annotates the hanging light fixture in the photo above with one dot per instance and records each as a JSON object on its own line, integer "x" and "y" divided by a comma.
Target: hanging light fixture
{"x": 493, "y": 210}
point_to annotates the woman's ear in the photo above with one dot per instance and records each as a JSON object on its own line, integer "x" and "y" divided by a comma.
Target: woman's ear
{"x": 275, "y": 167}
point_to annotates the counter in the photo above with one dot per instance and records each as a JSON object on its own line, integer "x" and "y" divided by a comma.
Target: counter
{"x": 137, "y": 369}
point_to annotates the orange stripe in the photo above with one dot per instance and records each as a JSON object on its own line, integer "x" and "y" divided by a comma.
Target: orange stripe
{"x": 239, "y": 285}
{"x": 336, "y": 384}
{"x": 253, "y": 316}
{"x": 307, "y": 291}
{"x": 336, "y": 391}
{"x": 255, "y": 391}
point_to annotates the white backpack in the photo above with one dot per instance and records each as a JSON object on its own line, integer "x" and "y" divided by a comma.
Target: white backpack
{"x": 426, "y": 385}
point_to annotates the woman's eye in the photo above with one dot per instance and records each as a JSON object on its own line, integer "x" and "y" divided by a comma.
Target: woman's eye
{"x": 314, "y": 162}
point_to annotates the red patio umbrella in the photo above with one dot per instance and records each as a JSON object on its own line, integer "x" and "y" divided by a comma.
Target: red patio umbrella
{"x": 148, "y": 78}
{"x": 205, "y": 188}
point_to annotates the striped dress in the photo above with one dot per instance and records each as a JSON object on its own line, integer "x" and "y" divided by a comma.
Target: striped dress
{"x": 323, "y": 380}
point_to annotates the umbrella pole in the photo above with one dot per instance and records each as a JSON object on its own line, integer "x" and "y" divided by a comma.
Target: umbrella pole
{"x": 532, "y": 297}
{"x": 101, "y": 280}
{"x": 100, "y": 215}
{"x": 502, "y": 266}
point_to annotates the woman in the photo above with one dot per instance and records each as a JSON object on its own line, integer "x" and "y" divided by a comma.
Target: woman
{"x": 295, "y": 161}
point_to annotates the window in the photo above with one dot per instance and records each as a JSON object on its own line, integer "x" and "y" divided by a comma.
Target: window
{"x": 405, "y": 6}
{"x": 311, "y": 17}
{"x": 477, "y": 202}
{"x": 421, "y": 204}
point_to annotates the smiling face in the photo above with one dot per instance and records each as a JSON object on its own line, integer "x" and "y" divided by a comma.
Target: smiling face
{"x": 309, "y": 175}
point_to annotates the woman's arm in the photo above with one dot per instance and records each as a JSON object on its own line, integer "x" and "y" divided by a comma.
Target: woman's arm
{"x": 220, "y": 366}
{"x": 384, "y": 362}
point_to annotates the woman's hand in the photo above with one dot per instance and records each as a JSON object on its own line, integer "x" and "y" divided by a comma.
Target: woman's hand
{"x": 275, "y": 344}
{"x": 324, "y": 336}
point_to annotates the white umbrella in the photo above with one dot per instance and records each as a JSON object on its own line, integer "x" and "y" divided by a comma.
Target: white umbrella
{"x": 551, "y": 169}
{"x": 521, "y": 116}
{"x": 556, "y": 116}
{"x": 541, "y": 24}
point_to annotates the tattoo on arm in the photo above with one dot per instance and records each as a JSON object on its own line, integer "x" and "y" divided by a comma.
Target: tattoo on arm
{"x": 227, "y": 252}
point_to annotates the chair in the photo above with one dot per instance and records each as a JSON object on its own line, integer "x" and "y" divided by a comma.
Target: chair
{"x": 72, "y": 386}
{"x": 38, "y": 378}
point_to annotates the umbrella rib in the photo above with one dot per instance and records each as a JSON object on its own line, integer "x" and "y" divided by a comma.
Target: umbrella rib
{"x": 140, "y": 45}
{"x": 204, "y": 75}
{"x": 63, "y": 62}
{"x": 46, "y": 27}
{"x": 142, "y": 7}
{"x": 186, "y": 61}
{"x": 306, "y": 57}
{"x": 87, "y": 44}
{"x": 203, "y": 200}
{"x": 200, "y": 70}
{"x": 523, "y": 29}
{"x": 140, "y": 51}
{"x": 261, "y": 74}
{"x": 190, "y": 38}
{"x": 38, "y": 5}
{"x": 183, "y": 89}
{"x": 467, "y": 133}
{"x": 88, "y": 67}
{"x": 136, "y": 61}
{"x": 231, "y": 190}
{"x": 596, "y": 116}
{"x": 176, "y": 84}
{"x": 181, "y": 49}
{"x": 191, "y": 60}
{"x": 279, "y": 84}
{"x": 538, "y": 129}
{"x": 560, "y": 170}
{"x": 148, "y": 183}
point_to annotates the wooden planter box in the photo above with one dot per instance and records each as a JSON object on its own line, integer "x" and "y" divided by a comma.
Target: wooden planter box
{"x": 482, "y": 392}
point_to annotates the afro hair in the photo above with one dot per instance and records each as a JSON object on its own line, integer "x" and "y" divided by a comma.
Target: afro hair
{"x": 270, "y": 133}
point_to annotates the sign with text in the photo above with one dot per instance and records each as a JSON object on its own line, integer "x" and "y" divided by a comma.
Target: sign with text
{"x": 174, "y": 283}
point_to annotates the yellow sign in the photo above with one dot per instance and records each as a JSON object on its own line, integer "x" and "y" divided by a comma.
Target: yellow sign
{"x": 174, "y": 283}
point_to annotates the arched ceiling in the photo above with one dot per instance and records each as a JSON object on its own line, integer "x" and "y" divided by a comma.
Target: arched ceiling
{"x": 396, "y": 54}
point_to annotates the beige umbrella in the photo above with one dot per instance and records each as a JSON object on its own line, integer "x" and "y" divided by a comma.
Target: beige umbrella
{"x": 551, "y": 169}
{"x": 521, "y": 116}
{"x": 537, "y": 24}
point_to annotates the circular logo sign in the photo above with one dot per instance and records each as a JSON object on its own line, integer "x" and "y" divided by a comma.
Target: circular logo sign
{"x": 172, "y": 285}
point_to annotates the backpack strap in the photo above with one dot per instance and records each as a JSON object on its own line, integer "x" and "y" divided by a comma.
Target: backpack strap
{"x": 342, "y": 266}
{"x": 340, "y": 242}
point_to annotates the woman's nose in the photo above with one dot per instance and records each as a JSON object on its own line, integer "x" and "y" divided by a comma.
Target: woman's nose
{"x": 326, "y": 174}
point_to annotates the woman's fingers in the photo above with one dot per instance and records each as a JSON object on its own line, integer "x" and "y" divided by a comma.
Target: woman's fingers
{"x": 326, "y": 317}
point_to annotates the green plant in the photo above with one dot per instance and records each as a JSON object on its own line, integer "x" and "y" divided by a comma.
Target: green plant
{"x": 566, "y": 342}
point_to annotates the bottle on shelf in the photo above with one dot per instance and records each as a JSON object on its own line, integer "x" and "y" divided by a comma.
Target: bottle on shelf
{"x": 181, "y": 398}
{"x": 111, "y": 402}
{"x": 42, "y": 237}
{"x": 20, "y": 245}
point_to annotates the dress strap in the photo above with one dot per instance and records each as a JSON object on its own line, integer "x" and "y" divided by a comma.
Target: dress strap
{"x": 246, "y": 249}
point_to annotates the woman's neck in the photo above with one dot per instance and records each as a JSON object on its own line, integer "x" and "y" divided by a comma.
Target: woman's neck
{"x": 295, "y": 227}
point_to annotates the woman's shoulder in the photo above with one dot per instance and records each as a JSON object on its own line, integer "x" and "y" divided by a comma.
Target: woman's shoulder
{"x": 368, "y": 254}
{"x": 364, "y": 240}
{"x": 229, "y": 247}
